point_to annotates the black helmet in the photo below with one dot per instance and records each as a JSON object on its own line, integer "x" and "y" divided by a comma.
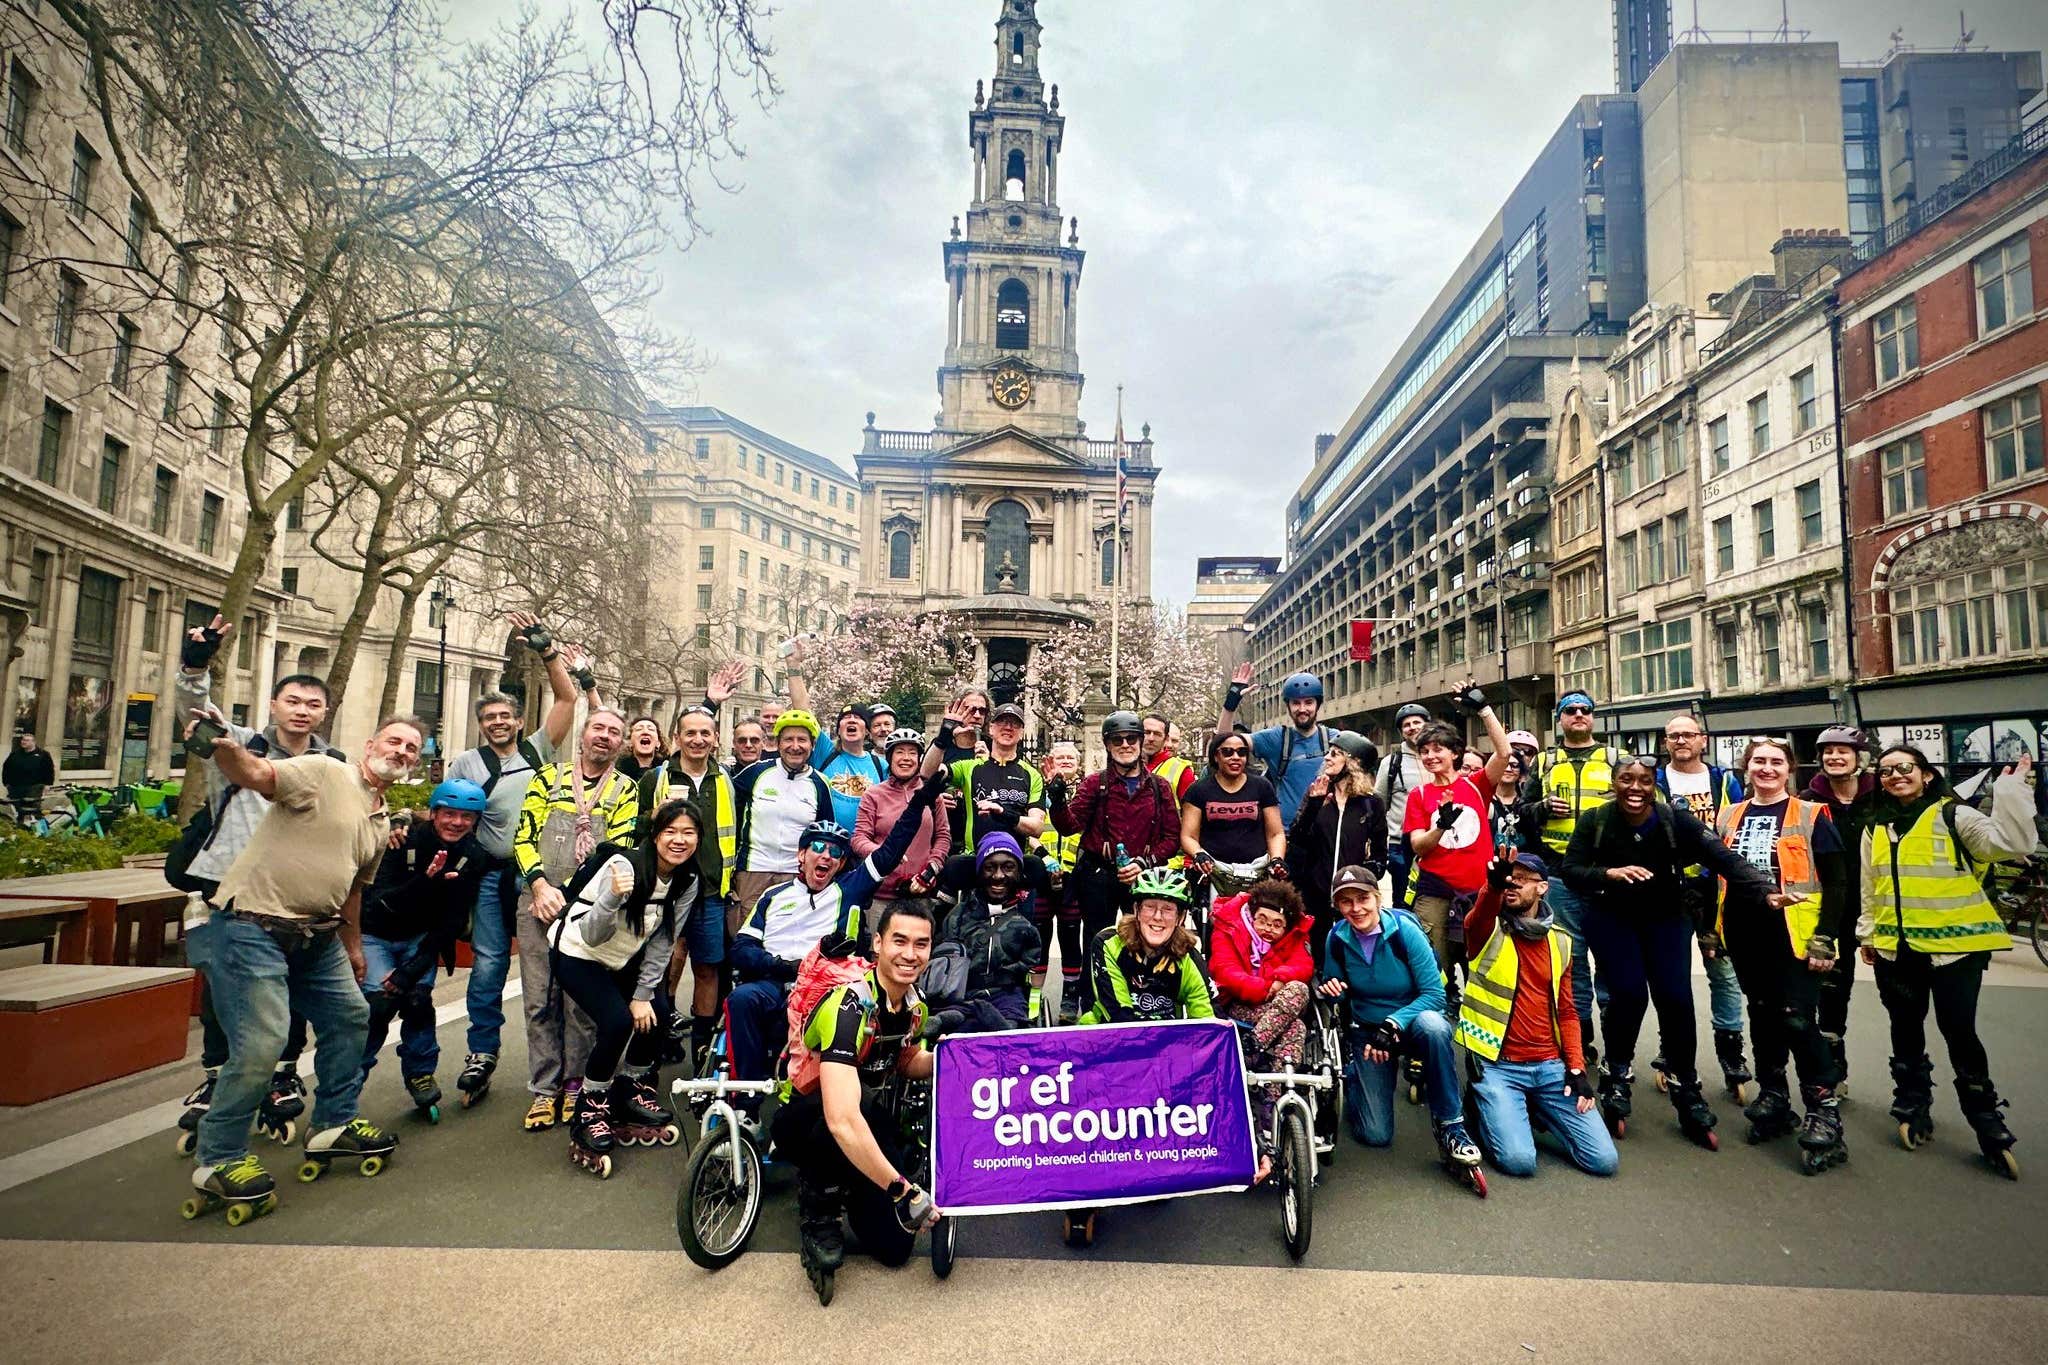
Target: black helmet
{"x": 1121, "y": 723}
{"x": 1359, "y": 747}
{"x": 1413, "y": 708}
{"x": 1840, "y": 734}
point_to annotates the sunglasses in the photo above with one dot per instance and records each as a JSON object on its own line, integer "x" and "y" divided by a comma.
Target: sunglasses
{"x": 825, "y": 846}
{"x": 1232, "y": 753}
{"x": 1576, "y": 711}
{"x": 1897, "y": 769}
{"x": 1123, "y": 739}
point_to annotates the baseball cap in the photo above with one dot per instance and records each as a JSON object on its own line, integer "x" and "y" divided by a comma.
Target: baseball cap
{"x": 1529, "y": 862}
{"x": 1009, "y": 710}
{"x": 1354, "y": 876}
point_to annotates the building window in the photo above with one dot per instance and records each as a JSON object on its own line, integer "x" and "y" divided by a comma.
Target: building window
{"x": 1764, "y": 515}
{"x": 746, "y": 523}
{"x": 426, "y": 691}
{"x": 845, "y": 558}
{"x": 85, "y": 164}
{"x": 1013, "y": 316}
{"x": 40, "y": 565}
{"x": 131, "y": 241}
{"x": 899, "y": 555}
{"x": 785, "y": 537}
{"x": 21, "y": 103}
{"x": 162, "y": 501}
{"x": 814, "y": 489}
{"x": 289, "y": 578}
{"x": 1896, "y": 335}
{"x": 1625, "y": 564}
{"x": 1769, "y": 658}
{"x": 10, "y": 242}
{"x": 121, "y": 371}
{"x": 1681, "y": 525}
{"x": 807, "y": 547}
{"x": 1109, "y": 562}
{"x": 1006, "y": 553}
{"x": 778, "y": 471}
{"x": 2012, "y": 437}
{"x": 1904, "y": 470}
{"x": 743, "y": 563}
{"x": 707, "y": 517}
{"x": 1579, "y": 671}
{"x": 703, "y": 597}
{"x": 1759, "y": 425}
{"x": 1648, "y": 372}
{"x": 217, "y": 432}
{"x": 1623, "y": 470}
{"x": 1724, "y": 545}
{"x": 2005, "y": 285}
{"x": 210, "y": 506}
{"x": 832, "y": 496}
{"x": 153, "y": 621}
{"x": 64, "y": 319}
{"x": 112, "y": 455}
{"x": 703, "y": 447}
{"x": 760, "y": 465}
{"x": 1724, "y": 651}
{"x": 89, "y": 704}
{"x": 50, "y": 449}
{"x": 1805, "y": 402}
{"x": 707, "y": 557}
{"x": 1655, "y": 658}
{"x": 174, "y": 388}
{"x": 230, "y": 323}
{"x": 295, "y": 512}
{"x": 1808, "y": 495}
{"x": 763, "y": 567}
{"x": 1653, "y": 456}
{"x": 1819, "y": 651}
{"x": 1653, "y": 553}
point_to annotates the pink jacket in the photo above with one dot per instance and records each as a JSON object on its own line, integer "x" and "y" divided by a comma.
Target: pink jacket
{"x": 881, "y": 807}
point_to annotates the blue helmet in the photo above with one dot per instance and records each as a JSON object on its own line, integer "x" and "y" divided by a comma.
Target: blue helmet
{"x": 827, "y": 831}
{"x": 457, "y": 794}
{"x": 1300, "y": 686}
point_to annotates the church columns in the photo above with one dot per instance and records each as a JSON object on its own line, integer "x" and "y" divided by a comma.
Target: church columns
{"x": 952, "y": 311}
{"x": 1056, "y": 579}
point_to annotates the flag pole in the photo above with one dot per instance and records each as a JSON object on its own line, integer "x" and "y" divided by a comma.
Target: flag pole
{"x": 1116, "y": 553}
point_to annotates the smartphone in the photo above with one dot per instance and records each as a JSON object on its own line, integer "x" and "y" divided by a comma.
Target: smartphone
{"x": 199, "y": 744}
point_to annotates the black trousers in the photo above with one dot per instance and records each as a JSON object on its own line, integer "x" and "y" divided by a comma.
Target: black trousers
{"x": 605, "y": 996}
{"x": 1907, "y": 985}
{"x": 1784, "y": 997}
{"x": 800, "y": 1133}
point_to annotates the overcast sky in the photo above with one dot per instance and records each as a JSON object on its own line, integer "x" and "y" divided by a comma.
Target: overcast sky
{"x": 1269, "y": 194}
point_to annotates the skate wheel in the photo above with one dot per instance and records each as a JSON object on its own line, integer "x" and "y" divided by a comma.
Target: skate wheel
{"x": 1906, "y": 1137}
{"x": 671, "y": 1135}
{"x": 433, "y": 1113}
{"x": 1478, "y": 1182}
{"x": 822, "y": 1281}
{"x": 309, "y": 1171}
{"x": 1663, "y": 1083}
{"x": 191, "y": 1209}
{"x": 604, "y": 1167}
{"x": 284, "y": 1132}
{"x": 239, "y": 1214}
{"x": 1713, "y": 1142}
{"x": 2007, "y": 1165}
{"x": 370, "y": 1166}
{"x": 187, "y": 1143}
{"x": 1742, "y": 1092}
{"x": 1414, "y": 1093}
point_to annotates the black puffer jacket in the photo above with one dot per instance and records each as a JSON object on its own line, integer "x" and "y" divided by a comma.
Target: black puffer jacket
{"x": 1001, "y": 951}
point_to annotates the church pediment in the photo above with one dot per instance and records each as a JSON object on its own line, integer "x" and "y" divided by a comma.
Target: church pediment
{"x": 1011, "y": 446}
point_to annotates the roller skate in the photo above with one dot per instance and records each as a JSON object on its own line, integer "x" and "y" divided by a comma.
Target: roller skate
{"x": 358, "y": 1140}
{"x": 1695, "y": 1119}
{"x": 542, "y": 1113}
{"x": 1070, "y": 1002}
{"x": 426, "y": 1096}
{"x": 1980, "y": 1109}
{"x": 241, "y": 1185}
{"x": 1077, "y": 1227}
{"x": 1838, "y": 1049}
{"x": 475, "y": 1081}
{"x": 196, "y": 1105}
{"x": 821, "y": 1241}
{"x": 1616, "y": 1103}
{"x": 1913, "y": 1100}
{"x": 1735, "y": 1073}
{"x": 1770, "y": 1113}
{"x": 278, "y": 1118}
{"x": 1662, "y": 1073}
{"x": 1820, "y": 1137}
{"x": 1412, "y": 1072}
{"x": 572, "y": 1092}
{"x": 638, "y": 1120}
{"x": 590, "y": 1136}
{"x": 1460, "y": 1156}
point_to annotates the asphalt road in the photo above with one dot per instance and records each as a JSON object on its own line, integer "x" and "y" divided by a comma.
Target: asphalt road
{"x": 80, "y": 1174}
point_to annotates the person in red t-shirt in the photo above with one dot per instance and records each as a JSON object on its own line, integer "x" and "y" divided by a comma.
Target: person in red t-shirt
{"x": 1448, "y": 828}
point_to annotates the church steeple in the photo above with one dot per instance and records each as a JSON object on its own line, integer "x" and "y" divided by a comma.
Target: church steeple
{"x": 1012, "y": 284}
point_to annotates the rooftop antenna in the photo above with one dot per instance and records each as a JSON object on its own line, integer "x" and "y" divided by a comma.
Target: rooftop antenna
{"x": 1784, "y": 21}
{"x": 1964, "y": 33}
{"x": 1898, "y": 42}
{"x": 1695, "y": 34}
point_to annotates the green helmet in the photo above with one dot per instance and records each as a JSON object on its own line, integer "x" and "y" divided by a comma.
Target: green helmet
{"x": 1160, "y": 883}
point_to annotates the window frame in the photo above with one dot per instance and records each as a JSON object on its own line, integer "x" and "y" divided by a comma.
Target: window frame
{"x": 2014, "y": 429}
{"x": 1896, "y": 330}
{"x": 1910, "y": 474}
{"x": 2014, "y": 261}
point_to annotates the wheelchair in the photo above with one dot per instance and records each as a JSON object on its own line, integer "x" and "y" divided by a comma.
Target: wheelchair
{"x": 1307, "y": 1117}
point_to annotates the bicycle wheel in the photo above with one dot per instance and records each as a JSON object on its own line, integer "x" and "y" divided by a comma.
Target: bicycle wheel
{"x": 2038, "y": 929}
{"x": 945, "y": 1244}
{"x": 1297, "y": 1183}
{"x": 715, "y": 1215}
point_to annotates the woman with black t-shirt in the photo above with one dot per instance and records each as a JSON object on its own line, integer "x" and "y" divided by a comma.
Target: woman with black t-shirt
{"x": 1230, "y": 821}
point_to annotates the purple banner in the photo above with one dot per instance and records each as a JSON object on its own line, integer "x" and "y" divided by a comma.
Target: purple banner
{"x": 1111, "y": 1114}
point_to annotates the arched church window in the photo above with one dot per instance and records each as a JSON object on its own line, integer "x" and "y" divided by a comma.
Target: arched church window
{"x": 1013, "y": 175}
{"x": 1016, "y": 49}
{"x": 1006, "y": 561}
{"x": 1109, "y": 563}
{"x": 1013, "y": 316}
{"x": 899, "y": 554}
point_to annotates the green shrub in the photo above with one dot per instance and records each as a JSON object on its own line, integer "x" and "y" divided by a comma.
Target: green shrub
{"x": 136, "y": 833}
{"x": 408, "y": 795}
{"x": 26, "y": 854}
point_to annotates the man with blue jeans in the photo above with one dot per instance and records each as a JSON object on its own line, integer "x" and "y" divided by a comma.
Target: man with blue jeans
{"x": 1518, "y": 1024}
{"x": 286, "y": 933}
{"x": 1568, "y": 779}
{"x": 1378, "y": 961}
{"x": 503, "y": 765}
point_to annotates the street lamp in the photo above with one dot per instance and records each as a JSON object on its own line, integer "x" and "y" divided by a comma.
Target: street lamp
{"x": 443, "y": 601}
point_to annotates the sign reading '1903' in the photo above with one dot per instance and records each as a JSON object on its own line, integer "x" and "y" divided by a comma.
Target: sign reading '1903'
{"x": 1083, "y": 1117}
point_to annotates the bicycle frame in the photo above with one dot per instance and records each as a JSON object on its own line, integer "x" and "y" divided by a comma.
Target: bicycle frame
{"x": 718, "y": 1088}
{"x": 1295, "y": 1083}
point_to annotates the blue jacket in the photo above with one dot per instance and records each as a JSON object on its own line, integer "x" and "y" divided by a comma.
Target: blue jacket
{"x": 1400, "y": 982}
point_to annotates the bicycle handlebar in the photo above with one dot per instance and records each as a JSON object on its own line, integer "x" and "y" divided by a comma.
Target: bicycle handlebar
{"x": 1289, "y": 1077}
{"x": 722, "y": 1086}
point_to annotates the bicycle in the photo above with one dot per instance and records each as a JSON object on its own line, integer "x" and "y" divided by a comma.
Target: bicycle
{"x": 2021, "y": 895}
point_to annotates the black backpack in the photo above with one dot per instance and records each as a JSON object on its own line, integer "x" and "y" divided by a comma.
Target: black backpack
{"x": 199, "y": 831}
{"x": 494, "y": 766}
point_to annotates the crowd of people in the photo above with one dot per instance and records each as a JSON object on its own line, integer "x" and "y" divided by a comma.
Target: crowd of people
{"x": 828, "y": 900}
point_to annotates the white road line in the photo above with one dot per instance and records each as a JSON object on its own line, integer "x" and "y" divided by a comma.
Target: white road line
{"x": 65, "y": 1152}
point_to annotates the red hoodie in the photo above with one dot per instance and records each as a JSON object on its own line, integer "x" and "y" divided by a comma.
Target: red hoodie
{"x": 1230, "y": 955}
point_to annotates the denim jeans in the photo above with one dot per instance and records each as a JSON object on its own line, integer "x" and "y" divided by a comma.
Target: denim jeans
{"x": 1369, "y": 1086}
{"x": 1724, "y": 995}
{"x": 419, "y": 1050}
{"x": 257, "y": 981}
{"x": 1504, "y": 1092}
{"x": 490, "y": 943}
{"x": 1566, "y": 905}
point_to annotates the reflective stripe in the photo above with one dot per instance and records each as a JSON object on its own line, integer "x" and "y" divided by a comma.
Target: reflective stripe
{"x": 1583, "y": 787}
{"x": 1920, "y": 895}
{"x": 1490, "y": 993}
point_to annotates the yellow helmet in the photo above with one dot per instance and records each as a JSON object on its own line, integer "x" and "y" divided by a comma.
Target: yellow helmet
{"x": 798, "y": 720}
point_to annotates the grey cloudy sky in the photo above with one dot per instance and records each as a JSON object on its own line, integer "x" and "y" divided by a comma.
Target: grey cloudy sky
{"x": 1269, "y": 194}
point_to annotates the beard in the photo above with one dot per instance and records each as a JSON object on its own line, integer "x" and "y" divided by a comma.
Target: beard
{"x": 387, "y": 770}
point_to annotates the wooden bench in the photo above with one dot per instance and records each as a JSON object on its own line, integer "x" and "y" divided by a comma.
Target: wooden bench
{"x": 57, "y": 924}
{"x": 127, "y": 909}
{"x": 65, "y": 1027}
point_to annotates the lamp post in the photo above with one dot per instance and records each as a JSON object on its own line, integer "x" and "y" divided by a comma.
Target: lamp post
{"x": 443, "y": 600}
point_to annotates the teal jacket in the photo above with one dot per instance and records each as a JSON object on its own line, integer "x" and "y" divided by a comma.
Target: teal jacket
{"x": 1399, "y": 983}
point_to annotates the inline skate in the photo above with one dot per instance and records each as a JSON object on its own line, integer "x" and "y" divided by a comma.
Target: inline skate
{"x": 196, "y": 1105}
{"x": 1820, "y": 1137}
{"x": 638, "y": 1120}
{"x": 278, "y": 1118}
{"x": 241, "y": 1186}
{"x": 1616, "y": 1102}
{"x": 590, "y": 1136}
{"x": 1770, "y": 1113}
{"x": 358, "y": 1140}
{"x": 1735, "y": 1073}
{"x": 426, "y": 1096}
{"x": 1913, "y": 1100}
{"x": 1695, "y": 1119}
{"x": 821, "y": 1241}
{"x": 1460, "y": 1156}
{"x": 475, "y": 1081}
{"x": 1980, "y": 1109}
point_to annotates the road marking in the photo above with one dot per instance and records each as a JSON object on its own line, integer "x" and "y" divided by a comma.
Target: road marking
{"x": 65, "y": 1152}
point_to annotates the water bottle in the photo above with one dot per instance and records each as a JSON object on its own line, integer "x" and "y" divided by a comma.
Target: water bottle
{"x": 1123, "y": 859}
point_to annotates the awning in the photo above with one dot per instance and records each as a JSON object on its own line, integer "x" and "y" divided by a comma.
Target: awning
{"x": 1953, "y": 694}
{"x": 1754, "y": 715}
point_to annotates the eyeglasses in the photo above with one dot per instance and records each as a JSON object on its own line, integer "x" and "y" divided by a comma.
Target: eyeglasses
{"x": 1684, "y": 734}
{"x": 1123, "y": 739}
{"x": 825, "y": 846}
{"x": 1576, "y": 711}
{"x": 1897, "y": 769}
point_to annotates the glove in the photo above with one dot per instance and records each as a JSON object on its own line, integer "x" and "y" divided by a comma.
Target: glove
{"x": 1056, "y": 791}
{"x": 1497, "y": 873}
{"x": 197, "y": 654}
{"x": 1276, "y": 868}
{"x": 1386, "y": 1037}
{"x": 1578, "y": 1085}
{"x": 1233, "y": 696}
{"x": 1205, "y": 864}
{"x": 1471, "y": 700}
{"x": 585, "y": 676}
{"x": 1821, "y": 948}
{"x": 913, "y": 1209}
{"x": 537, "y": 638}
{"x": 1447, "y": 815}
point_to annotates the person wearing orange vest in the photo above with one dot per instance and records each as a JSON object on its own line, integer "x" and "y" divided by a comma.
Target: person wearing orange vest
{"x": 1783, "y": 945}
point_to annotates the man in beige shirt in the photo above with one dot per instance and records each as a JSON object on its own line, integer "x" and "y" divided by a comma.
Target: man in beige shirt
{"x": 284, "y": 936}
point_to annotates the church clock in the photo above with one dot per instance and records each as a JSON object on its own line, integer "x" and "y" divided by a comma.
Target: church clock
{"x": 1010, "y": 386}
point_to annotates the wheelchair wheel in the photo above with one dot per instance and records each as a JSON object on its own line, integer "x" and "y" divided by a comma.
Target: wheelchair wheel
{"x": 715, "y": 1215}
{"x": 945, "y": 1243}
{"x": 1294, "y": 1166}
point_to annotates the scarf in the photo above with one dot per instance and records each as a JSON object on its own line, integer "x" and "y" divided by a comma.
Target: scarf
{"x": 1259, "y": 946}
{"x": 1530, "y": 927}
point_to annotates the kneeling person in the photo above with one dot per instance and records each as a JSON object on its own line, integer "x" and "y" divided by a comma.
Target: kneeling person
{"x": 1517, "y": 1019}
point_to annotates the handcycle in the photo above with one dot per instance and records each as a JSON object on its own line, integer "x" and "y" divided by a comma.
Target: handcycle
{"x": 1298, "y": 1137}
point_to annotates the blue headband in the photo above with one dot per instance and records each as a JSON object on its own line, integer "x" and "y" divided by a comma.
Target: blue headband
{"x": 1575, "y": 699}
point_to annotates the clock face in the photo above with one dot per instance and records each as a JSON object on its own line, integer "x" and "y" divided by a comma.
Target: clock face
{"x": 1010, "y": 386}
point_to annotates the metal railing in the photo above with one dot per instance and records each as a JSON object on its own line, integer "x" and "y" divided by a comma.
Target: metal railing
{"x": 2030, "y": 143}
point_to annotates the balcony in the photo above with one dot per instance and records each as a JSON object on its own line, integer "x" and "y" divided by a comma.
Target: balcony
{"x": 1526, "y": 503}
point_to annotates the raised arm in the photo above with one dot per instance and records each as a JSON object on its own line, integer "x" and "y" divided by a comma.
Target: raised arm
{"x": 1233, "y": 697}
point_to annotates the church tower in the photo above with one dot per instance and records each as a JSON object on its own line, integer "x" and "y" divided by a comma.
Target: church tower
{"x": 1012, "y": 286}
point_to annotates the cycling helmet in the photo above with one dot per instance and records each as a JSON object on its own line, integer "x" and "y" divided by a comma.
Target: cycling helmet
{"x": 1301, "y": 686}
{"x": 799, "y": 720}
{"x": 1522, "y": 739}
{"x": 457, "y": 794}
{"x": 830, "y": 831}
{"x": 1121, "y": 723}
{"x": 1359, "y": 747}
{"x": 905, "y": 735}
{"x": 1413, "y": 708}
{"x": 1160, "y": 883}
{"x": 1839, "y": 734}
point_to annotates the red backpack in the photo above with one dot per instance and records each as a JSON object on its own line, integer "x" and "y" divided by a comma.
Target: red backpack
{"x": 819, "y": 975}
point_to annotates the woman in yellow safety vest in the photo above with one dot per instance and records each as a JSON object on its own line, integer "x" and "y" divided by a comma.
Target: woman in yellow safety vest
{"x": 1783, "y": 944}
{"x": 1928, "y": 931}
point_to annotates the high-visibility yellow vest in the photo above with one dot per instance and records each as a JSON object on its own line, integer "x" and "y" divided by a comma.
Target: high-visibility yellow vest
{"x": 1169, "y": 771}
{"x": 1062, "y": 849}
{"x": 1582, "y": 786}
{"x": 725, "y": 818}
{"x": 1923, "y": 891}
{"x": 1797, "y": 875}
{"x": 1490, "y": 993}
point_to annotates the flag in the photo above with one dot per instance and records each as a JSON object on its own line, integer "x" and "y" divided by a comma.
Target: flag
{"x": 1361, "y": 641}
{"x": 1123, "y": 463}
